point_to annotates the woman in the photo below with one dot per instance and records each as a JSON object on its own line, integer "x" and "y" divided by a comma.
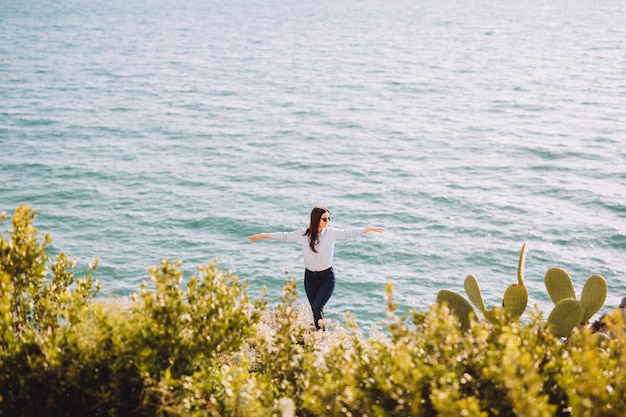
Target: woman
{"x": 318, "y": 247}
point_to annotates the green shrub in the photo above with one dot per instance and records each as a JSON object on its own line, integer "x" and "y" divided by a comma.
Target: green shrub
{"x": 64, "y": 353}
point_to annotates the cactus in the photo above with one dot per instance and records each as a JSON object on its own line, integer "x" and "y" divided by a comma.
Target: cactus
{"x": 565, "y": 316}
{"x": 458, "y": 306}
{"x": 515, "y": 297}
{"x": 513, "y": 304}
{"x": 559, "y": 285}
{"x": 593, "y": 296}
{"x": 472, "y": 289}
{"x": 568, "y": 312}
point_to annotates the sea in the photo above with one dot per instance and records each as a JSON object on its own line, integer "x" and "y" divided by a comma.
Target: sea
{"x": 150, "y": 129}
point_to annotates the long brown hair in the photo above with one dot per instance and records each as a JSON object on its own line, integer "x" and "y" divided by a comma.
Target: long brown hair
{"x": 314, "y": 226}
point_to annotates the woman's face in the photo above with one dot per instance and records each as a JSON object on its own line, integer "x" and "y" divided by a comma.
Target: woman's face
{"x": 324, "y": 220}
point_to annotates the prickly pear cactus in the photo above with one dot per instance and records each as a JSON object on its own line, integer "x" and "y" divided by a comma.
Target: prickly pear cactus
{"x": 565, "y": 316}
{"x": 472, "y": 289}
{"x": 559, "y": 285}
{"x": 515, "y": 300}
{"x": 593, "y": 296}
{"x": 513, "y": 304}
{"x": 458, "y": 306}
{"x": 568, "y": 312}
{"x": 515, "y": 297}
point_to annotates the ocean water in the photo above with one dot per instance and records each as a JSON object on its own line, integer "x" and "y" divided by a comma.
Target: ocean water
{"x": 149, "y": 129}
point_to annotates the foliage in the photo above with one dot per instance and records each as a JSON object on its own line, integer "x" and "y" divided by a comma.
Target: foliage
{"x": 63, "y": 352}
{"x": 200, "y": 347}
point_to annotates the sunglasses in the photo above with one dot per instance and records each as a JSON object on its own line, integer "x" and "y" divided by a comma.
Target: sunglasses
{"x": 325, "y": 219}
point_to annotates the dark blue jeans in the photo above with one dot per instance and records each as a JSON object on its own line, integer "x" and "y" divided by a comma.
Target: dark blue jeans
{"x": 319, "y": 286}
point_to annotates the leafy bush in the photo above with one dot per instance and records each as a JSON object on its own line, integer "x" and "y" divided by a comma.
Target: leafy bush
{"x": 202, "y": 348}
{"x": 65, "y": 353}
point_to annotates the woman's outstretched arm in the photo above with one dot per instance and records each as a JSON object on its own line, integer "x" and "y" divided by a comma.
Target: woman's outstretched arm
{"x": 258, "y": 236}
{"x": 373, "y": 229}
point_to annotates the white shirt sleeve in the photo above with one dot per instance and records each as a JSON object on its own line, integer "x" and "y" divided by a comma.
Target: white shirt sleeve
{"x": 295, "y": 236}
{"x": 348, "y": 233}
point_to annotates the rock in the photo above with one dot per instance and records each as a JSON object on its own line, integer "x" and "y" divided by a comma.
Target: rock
{"x": 605, "y": 323}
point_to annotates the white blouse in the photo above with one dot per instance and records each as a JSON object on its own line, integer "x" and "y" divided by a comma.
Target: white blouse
{"x": 325, "y": 247}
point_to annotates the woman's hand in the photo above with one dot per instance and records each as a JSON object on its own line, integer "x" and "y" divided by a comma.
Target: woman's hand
{"x": 256, "y": 237}
{"x": 374, "y": 229}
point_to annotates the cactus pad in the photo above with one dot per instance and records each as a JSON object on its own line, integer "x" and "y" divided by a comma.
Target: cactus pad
{"x": 472, "y": 289}
{"x": 559, "y": 285}
{"x": 565, "y": 316}
{"x": 457, "y": 305}
{"x": 515, "y": 300}
{"x": 520, "y": 266}
{"x": 593, "y": 296}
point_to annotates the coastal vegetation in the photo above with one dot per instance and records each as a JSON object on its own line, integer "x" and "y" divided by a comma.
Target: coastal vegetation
{"x": 200, "y": 346}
